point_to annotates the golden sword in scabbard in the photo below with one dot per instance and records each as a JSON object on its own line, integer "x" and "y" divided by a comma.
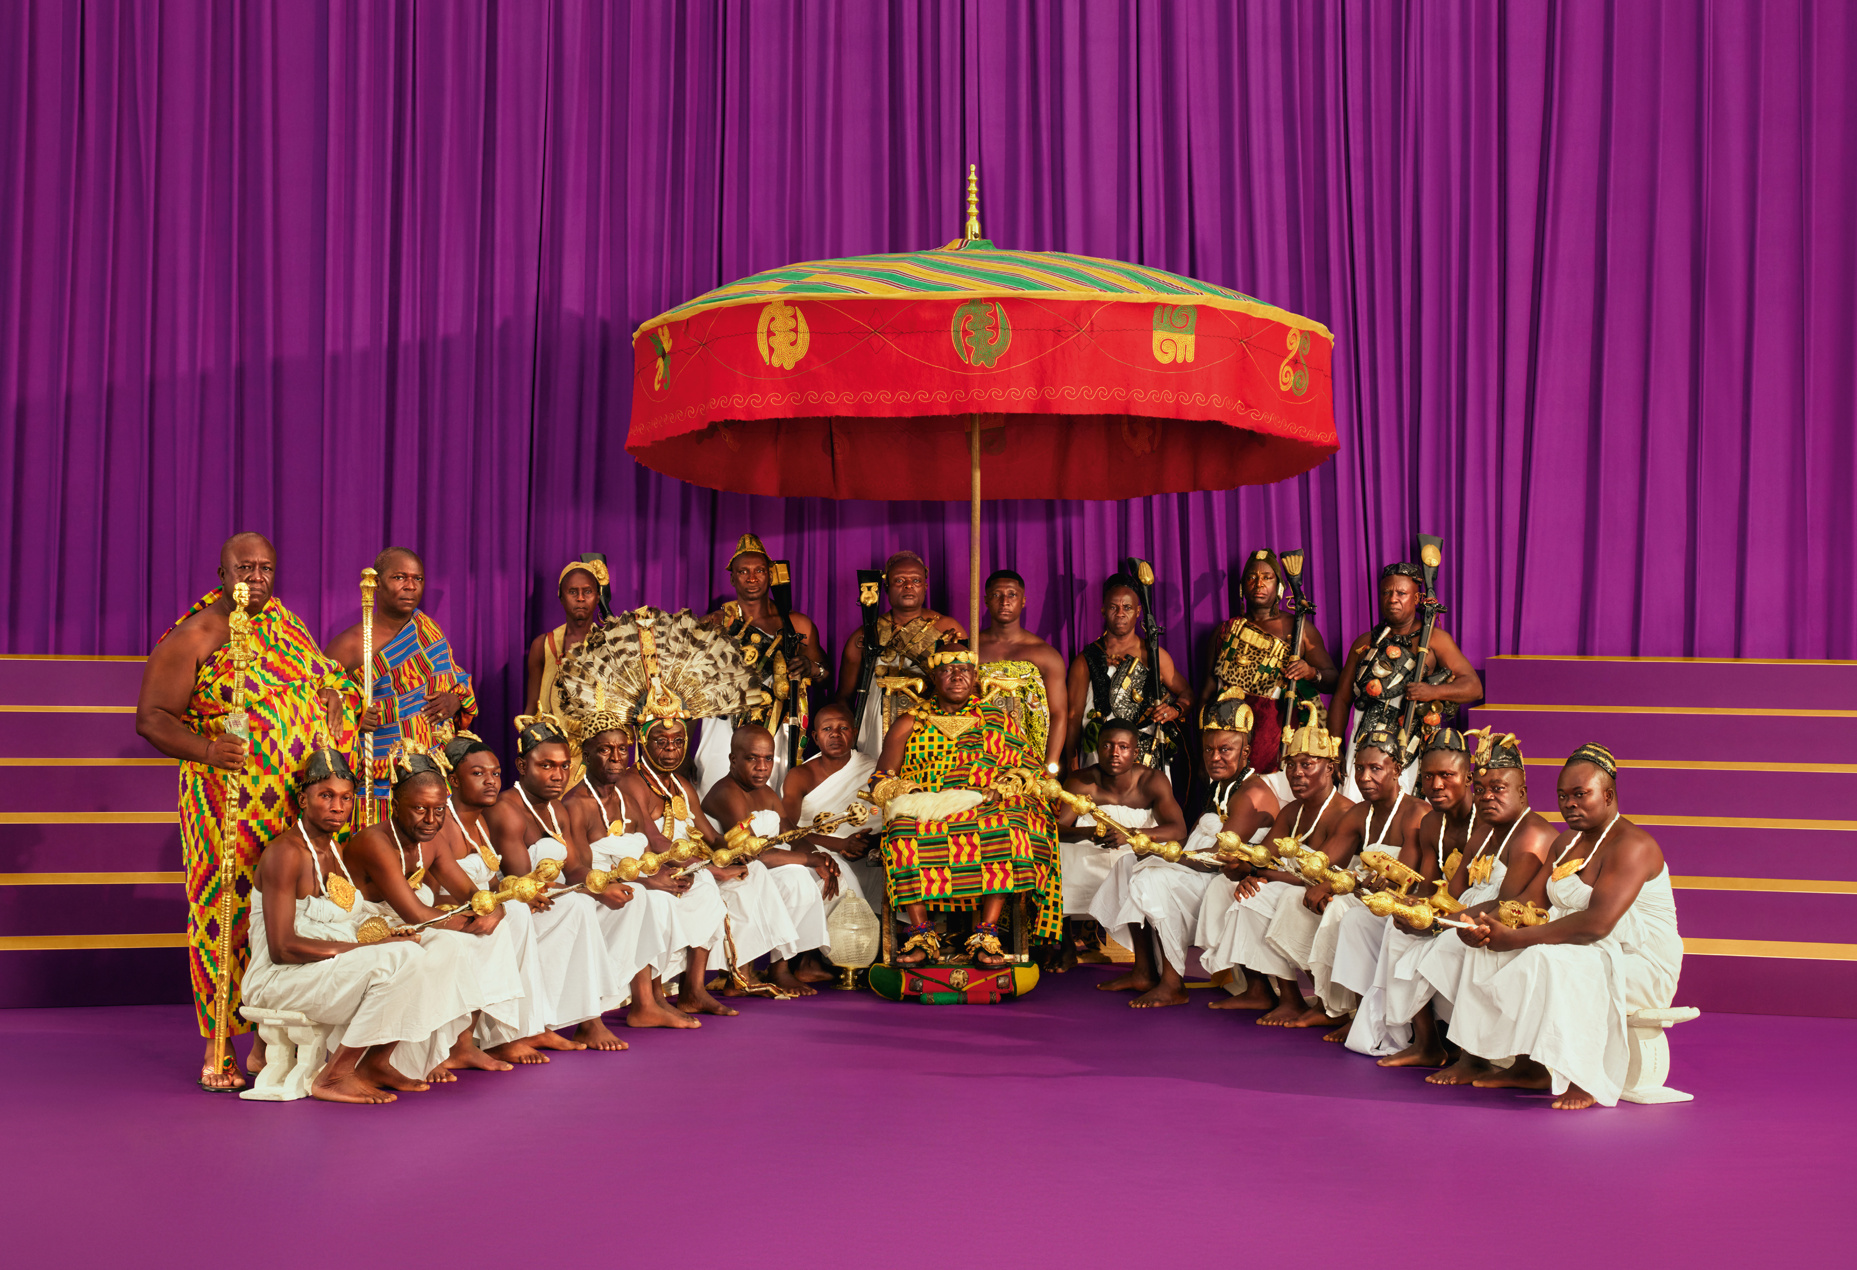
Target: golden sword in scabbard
{"x": 242, "y": 651}
{"x": 368, "y": 577}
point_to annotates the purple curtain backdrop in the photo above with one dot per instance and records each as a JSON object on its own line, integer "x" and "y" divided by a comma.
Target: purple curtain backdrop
{"x": 353, "y": 274}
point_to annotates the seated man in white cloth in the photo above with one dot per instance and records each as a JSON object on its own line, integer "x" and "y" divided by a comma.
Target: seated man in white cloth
{"x": 1561, "y": 992}
{"x": 1258, "y": 926}
{"x": 395, "y": 1016}
{"x": 1241, "y": 801}
{"x": 1510, "y": 852}
{"x": 1364, "y": 939}
{"x": 1387, "y": 820}
{"x": 476, "y": 780}
{"x": 399, "y": 865}
{"x": 528, "y": 825}
{"x": 829, "y": 783}
{"x": 1142, "y": 902}
{"x": 802, "y": 875}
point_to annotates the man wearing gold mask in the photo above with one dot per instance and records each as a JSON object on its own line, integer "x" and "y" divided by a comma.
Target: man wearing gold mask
{"x": 781, "y": 648}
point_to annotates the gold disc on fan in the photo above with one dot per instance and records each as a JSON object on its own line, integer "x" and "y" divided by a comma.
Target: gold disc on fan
{"x": 340, "y": 890}
{"x": 373, "y": 931}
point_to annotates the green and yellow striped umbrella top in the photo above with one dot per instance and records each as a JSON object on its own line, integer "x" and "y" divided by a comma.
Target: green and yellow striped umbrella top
{"x": 978, "y": 270}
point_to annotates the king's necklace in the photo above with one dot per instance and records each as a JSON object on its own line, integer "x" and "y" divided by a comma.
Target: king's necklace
{"x": 601, "y": 800}
{"x": 1392, "y": 818}
{"x": 1571, "y": 867}
{"x": 339, "y": 891}
{"x": 1296, "y": 829}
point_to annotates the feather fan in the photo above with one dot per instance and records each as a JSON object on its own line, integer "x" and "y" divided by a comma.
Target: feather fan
{"x": 701, "y": 668}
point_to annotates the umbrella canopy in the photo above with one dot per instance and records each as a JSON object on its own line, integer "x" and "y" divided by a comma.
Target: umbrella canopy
{"x": 860, "y": 377}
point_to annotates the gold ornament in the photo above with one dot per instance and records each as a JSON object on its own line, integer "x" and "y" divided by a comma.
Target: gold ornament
{"x": 340, "y": 890}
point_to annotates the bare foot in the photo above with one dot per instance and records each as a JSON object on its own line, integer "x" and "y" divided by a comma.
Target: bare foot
{"x": 1526, "y": 1073}
{"x": 348, "y": 1087}
{"x": 377, "y": 1071}
{"x": 1133, "y": 981}
{"x": 552, "y": 1040}
{"x": 441, "y": 1075}
{"x": 813, "y": 970}
{"x": 1159, "y": 995}
{"x": 696, "y": 1000}
{"x": 517, "y": 1051}
{"x": 1575, "y": 1099}
{"x": 1340, "y": 1035}
{"x": 781, "y": 976}
{"x": 1255, "y": 997}
{"x": 1287, "y": 1013}
{"x": 1314, "y": 1016}
{"x": 1465, "y": 1071}
{"x": 254, "y": 1062}
{"x": 595, "y": 1035}
{"x": 1419, "y": 1054}
{"x": 652, "y": 1012}
{"x": 465, "y": 1056}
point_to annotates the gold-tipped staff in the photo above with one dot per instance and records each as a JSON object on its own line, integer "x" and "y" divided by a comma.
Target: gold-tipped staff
{"x": 482, "y": 903}
{"x": 368, "y": 582}
{"x": 242, "y": 651}
{"x": 742, "y": 844}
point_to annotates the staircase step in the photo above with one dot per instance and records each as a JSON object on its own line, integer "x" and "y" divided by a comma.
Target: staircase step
{"x": 1830, "y": 919}
{"x": 1766, "y": 852}
{"x": 1736, "y": 795}
{"x": 1751, "y": 685}
{"x": 95, "y": 976}
{"x": 1555, "y": 732}
{"x": 71, "y": 681}
{"x": 72, "y": 734}
{"x": 58, "y": 788}
{"x": 94, "y": 910}
{"x": 80, "y": 848}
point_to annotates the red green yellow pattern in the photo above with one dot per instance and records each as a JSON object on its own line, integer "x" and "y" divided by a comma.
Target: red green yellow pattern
{"x": 282, "y": 699}
{"x": 1002, "y": 847}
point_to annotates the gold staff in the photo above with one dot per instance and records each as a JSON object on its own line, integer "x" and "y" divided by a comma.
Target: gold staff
{"x": 242, "y": 649}
{"x": 367, "y": 692}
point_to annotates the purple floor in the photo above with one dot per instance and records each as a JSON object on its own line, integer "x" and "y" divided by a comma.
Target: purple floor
{"x": 1062, "y": 1130}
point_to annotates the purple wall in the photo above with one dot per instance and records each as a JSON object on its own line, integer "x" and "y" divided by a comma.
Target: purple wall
{"x": 354, "y": 273}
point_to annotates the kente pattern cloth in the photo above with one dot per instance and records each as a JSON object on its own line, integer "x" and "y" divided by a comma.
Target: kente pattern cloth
{"x": 281, "y": 697}
{"x": 1001, "y": 847}
{"x": 1024, "y": 687}
{"x": 413, "y": 666}
{"x": 1119, "y": 690}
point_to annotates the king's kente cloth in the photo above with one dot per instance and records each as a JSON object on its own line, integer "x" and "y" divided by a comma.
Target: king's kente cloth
{"x": 281, "y": 690}
{"x": 409, "y": 670}
{"x": 999, "y": 847}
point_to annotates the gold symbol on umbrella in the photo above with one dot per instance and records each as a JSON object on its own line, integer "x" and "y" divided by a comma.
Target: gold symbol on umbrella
{"x": 782, "y": 335}
{"x": 981, "y": 332}
{"x": 1173, "y": 332}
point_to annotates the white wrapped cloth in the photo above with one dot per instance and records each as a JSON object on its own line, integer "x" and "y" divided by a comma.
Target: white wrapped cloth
{"x": 573, "y": 950}
{"x": 393, "y": 993}
{"x": 645, "y": 932}
{"x": 1566, "y": 1005}
{"x": 517, "y": 929}
{"x": 716, "y": 737}
{"x": 1086, "y": 863}
{"x": 1165, "y": 897}
{"x": 1410, "y": 980}
{"x": 863, "y": 876}
{"x": 496, "y": 975}
{"x": 1335, "y": 998}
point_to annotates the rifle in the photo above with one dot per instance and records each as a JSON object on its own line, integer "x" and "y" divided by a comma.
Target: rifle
{"x": 604, "y": 603}
{"x": 1431, "y": 555}
{"x": 1303, "y": 608}
{"x": 870, "y": 596}
{"x": 780, "y": 591}
{"x": 1143, "y": 575}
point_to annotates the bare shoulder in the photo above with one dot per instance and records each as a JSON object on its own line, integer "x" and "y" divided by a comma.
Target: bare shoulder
{"x": 801, "y": 778}
{"x": 1344, "y": 806}
{"x": 947, "y": 622}
{"x": 1638, "y": 849}
{"x": 346, "y": 647}
{"x": 1536, "y": 836}
{"x": 803, "y": 624}
{"x": 1361, "y": 644}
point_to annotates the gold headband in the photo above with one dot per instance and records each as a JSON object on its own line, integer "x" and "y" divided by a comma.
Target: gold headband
{"x": 595, "y": 567}
{"x": 953, "y": 655}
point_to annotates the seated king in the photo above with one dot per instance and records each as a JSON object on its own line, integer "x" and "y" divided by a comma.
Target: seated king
{"x": 961, "y": 831}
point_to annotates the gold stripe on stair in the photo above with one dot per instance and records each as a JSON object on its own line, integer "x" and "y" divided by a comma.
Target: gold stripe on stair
{"x": 90, "y": 818}
{"x": 1728, "y": 822}
{"x": 105, "y": 762}
{"x": 92, "y": 879}
{"x": 1739, "y": 712}
{"x": 61, "y": 943}
{"x": 1799, "y": 886}
{"x": 13, "y": 709}
{"x": 1778, "y": 948}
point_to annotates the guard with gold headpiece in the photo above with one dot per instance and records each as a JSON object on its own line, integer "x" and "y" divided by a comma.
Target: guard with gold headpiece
{"x": 583, "y": 586}
{"x": 1258, "y": 650}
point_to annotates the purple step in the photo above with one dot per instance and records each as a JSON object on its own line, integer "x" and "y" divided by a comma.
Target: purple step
{"x": 1706, "y": 851}
{"x": 92, "y": 910}
{"x": 1764, "y": 985}
{"x": 89, "y": 848}
{"x": 1648, "y": 791}
{"x": 65, "y": 734}
{"x": 1802, "y": 918}
{"x": 57, "y": 788}
{"x": 1792, "y": 685}
{"x": 59, "y": 681}
{"x": 94, "y": 976}
{"x": 1736, "y": 738}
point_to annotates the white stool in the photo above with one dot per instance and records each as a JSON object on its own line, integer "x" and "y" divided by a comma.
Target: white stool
{"x": 1650, "y": 1054}
{"x": 294, "y": 1049}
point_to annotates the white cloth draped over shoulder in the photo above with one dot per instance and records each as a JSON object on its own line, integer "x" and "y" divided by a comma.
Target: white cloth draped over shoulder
{"x": 1220, "y": 925}
{"x": 864, "y": 876}
{"x": 1086, "y": 861}
{"x": 716, "y": 736}
{"x": 573, "y": 948}
{"x": 1411, "y": 977}
{"x": 801, "y": 890}
{"x": 1150, "y": 891}
{"x": 1566, "y": 1005}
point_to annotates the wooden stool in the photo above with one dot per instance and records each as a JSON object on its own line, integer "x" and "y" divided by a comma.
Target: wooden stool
{"x": 294, "y": 1050}
{"x": 1650, "y": 1054}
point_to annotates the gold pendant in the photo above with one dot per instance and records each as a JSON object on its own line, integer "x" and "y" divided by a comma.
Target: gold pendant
{"x": 1480, "y": 869}
{"x": 419, "y": 875}
{"x": 952, "y": 726}
{"x": 680, "y": 807}
{"x": 340, "y": 890}
{"x": 615, "y": 828}
{"x": 1567, "y": 870}
{"x": 489, "y": 857}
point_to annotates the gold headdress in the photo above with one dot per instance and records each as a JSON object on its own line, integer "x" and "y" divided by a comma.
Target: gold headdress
{"x": 950, "y": 655}
{"x": 1598, "y": 755}
{"x": 595, "y": 567}
{"x": 1312, "y": 737}
{"x": 1494, "y": 751}
{"x": 537, "y": 729}
{"x": 325, "y": 761}
{"x": 748, "y": 544}
{"x": 1227, "y": 712}
{"x": 648, "y": 665}
{"x": 409, "y": 758}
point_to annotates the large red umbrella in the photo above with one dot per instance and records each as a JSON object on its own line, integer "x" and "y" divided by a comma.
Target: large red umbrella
{"x": 876, "y": 376}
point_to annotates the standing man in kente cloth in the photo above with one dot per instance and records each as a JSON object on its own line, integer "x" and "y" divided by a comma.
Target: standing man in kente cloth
{"x": 1252, "y": 655}
{"x": 1109, "y": 679}
{"x": 782, "y": 649}
{"x": 418, "y": 685}
{"x": 182, "y": 711}
{"x": 906, "y": 635}
{"x": 580, "y": 587}
{"x": 1382, "y": 671}
{"x": 1008, "y": 650}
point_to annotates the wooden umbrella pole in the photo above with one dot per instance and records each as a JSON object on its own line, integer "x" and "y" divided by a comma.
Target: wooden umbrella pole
{"x": 973, "y": 537}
